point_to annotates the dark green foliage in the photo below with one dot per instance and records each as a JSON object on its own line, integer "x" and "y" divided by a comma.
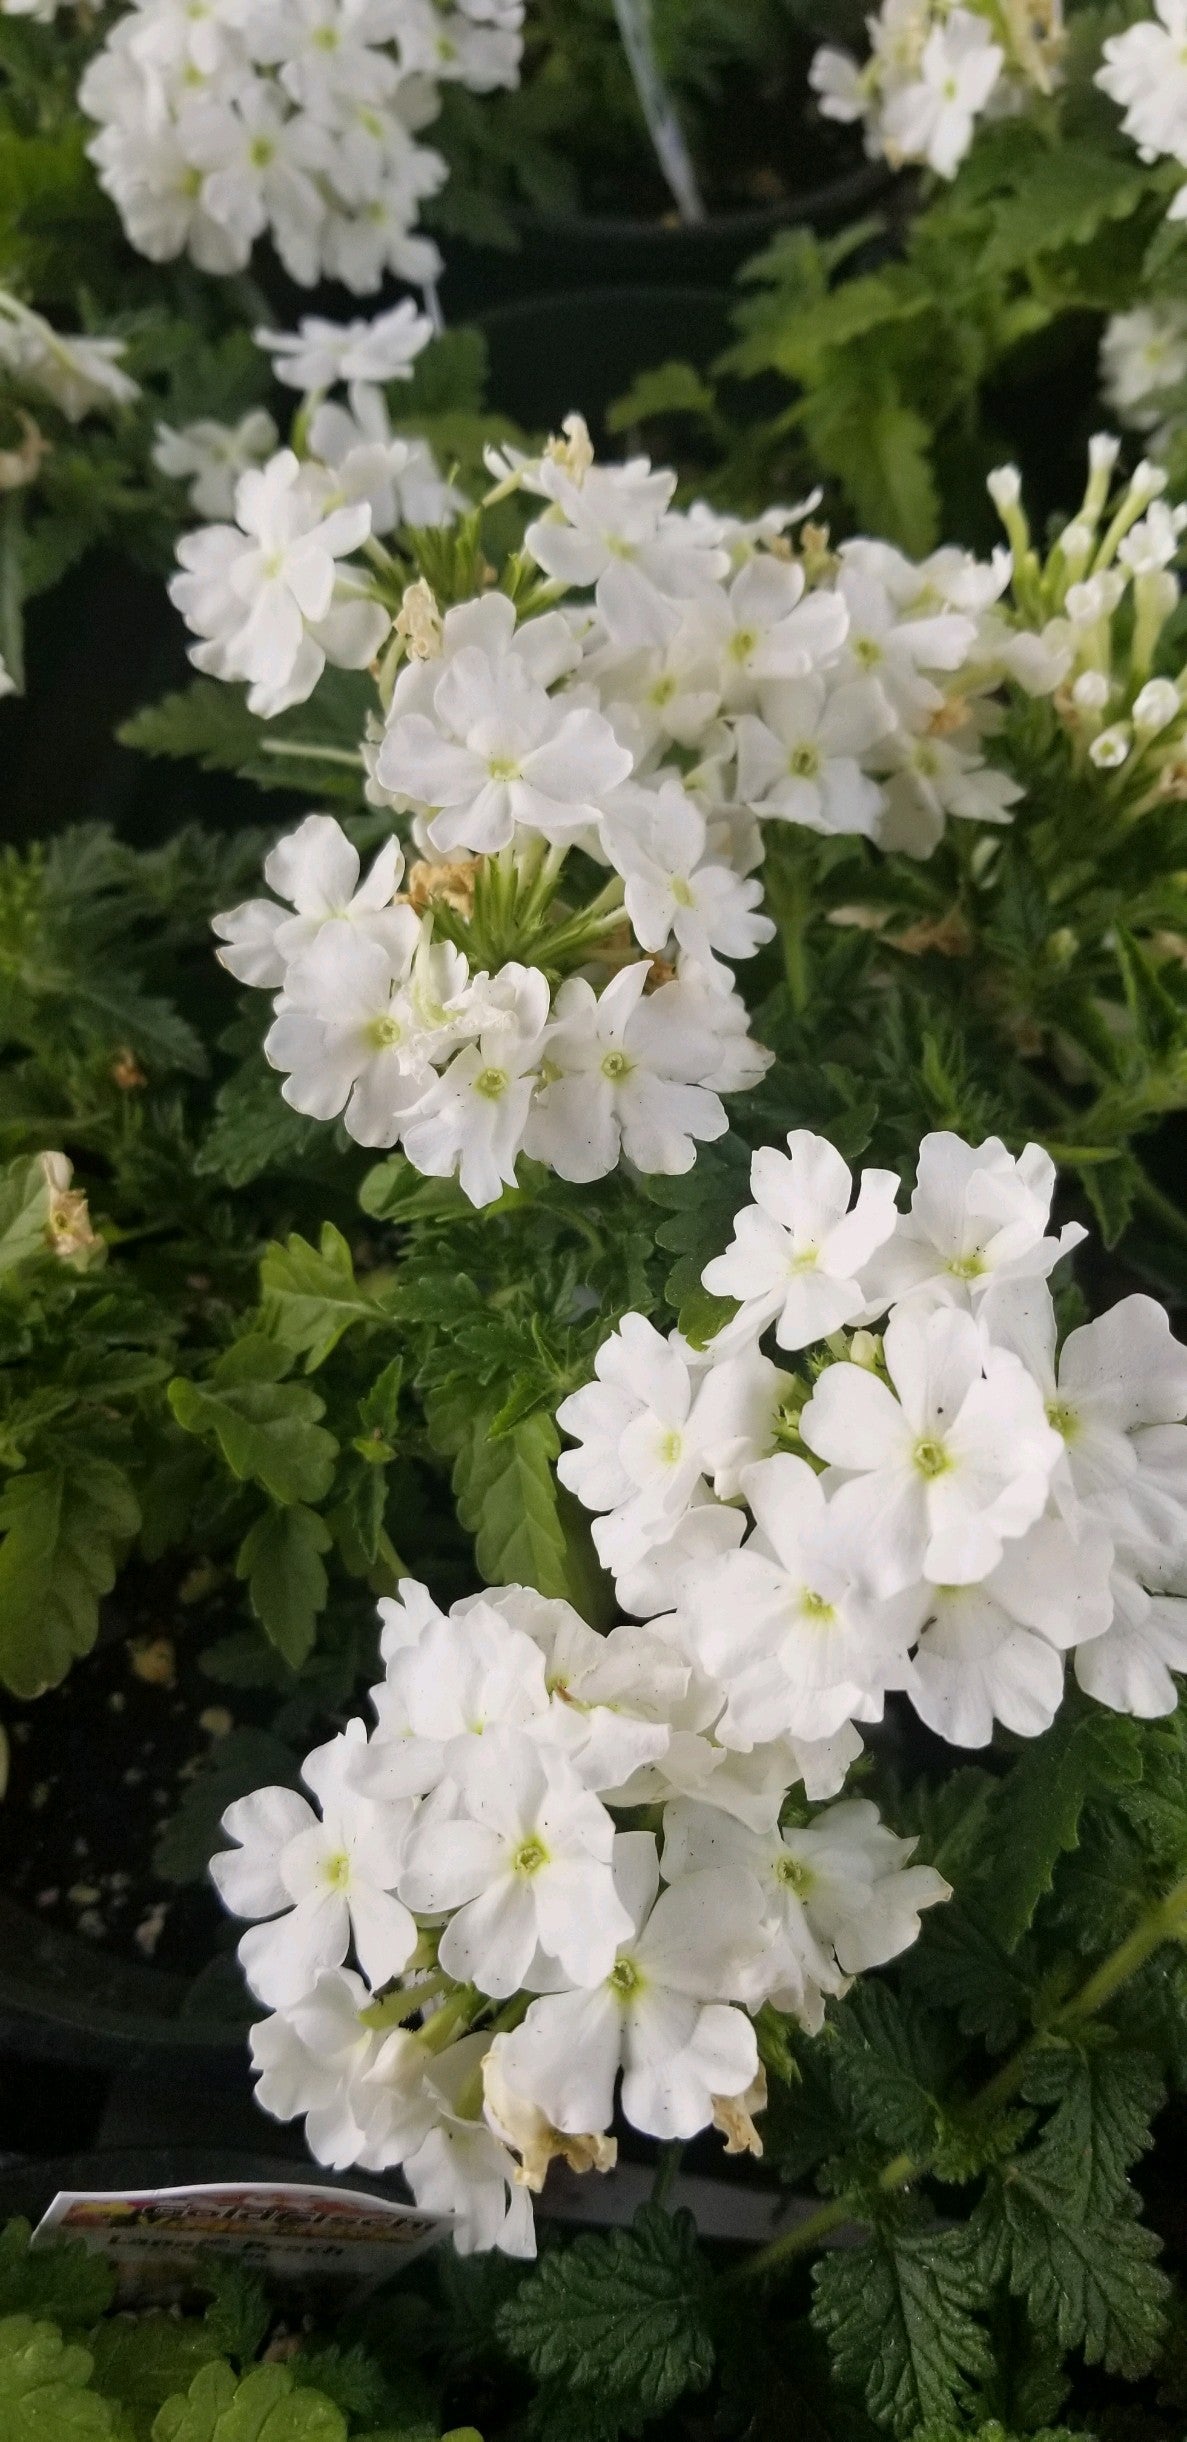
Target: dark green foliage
{"x": 620, "y": 2317}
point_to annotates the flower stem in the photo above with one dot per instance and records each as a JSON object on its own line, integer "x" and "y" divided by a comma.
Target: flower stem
{"x": 1166, "y": 1921}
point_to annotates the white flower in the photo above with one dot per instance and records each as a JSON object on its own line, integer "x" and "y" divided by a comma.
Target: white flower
{"x": 658, "y": 2014}
{"x": 899, "y": 651}
{"x": 660, "y": 1578}
{"x": 783, "y": 1628}
{"x": 520, "y": 1853}
{"x": 270, "y": 595}
{"x": 977, "y": 1223}
{"x": 399, "y": 479}
{"x": 461, "y": 2168}
{"x": 211, "y": 457}
{"x": 799, "y": 761}
{"x": 347, "y": 1030}
{"x": 652, "y": 1433}
{"x": 308, "y": 2060}
{"x": 316, "y": 869}
{"x": 1142, "y": 354}
{"x": 656, "y": 839}
{"x": 449, "y": 1680}
{"x": 930, "y": 778}
{"x": 613, "y": 529}
{"x": 1118, "y": 1401}
{"x": 938, "y": 1472}
{"x": 623, "y": 1076}
{"x": 80, "y": 374}
{"x": 608, "y": 1696}
{"x": 1129, "y": 1667}
{"x": 318, "y": 354}
{"x": 471, "y": 1121}
{"x": 994, "y": 1652}
{"x": 1145, "y": 72}
{"x": 495, "y": 751}
{"x": 321, "y": 1882}
{"x": 932, "y": 118}
{"x": 767, "y": 627}
{"x": 798, "y": 1251}
{"x": 859, "y": 1891}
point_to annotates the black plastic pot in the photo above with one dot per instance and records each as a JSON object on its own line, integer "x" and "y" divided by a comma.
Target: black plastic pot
{"x": 64, "y": 1999}
{"x": 555, "y": 256}
{"x": 548, "y": 355}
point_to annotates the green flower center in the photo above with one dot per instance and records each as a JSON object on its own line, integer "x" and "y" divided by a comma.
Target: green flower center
{"x": 384, "y": 1031}
{"x": 804, "y": 761}
{"x": 616, "y": 1066}
{"x": 931, "y": 1458}
{"x": 624, "y": 1979}
{"x": 529, "y": 1856}
{"x": 491, "y": 1083}
{"x": 1063, "y": 1419}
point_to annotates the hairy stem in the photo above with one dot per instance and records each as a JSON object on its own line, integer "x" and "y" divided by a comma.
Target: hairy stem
{"x": 1166, "y": 1921}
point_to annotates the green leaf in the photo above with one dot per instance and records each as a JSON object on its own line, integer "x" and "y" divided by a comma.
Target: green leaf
{"x": 45, "y": 2393}
{"x": 61, "y": 2279}
{"x": 262, "y": 2406}
{"x": 880, "y": 2061}
{"x": 1159, "y": 1022}
{"x": 1035, "y": 1812}
{"x": 1058, "y": 2222}
{"x": 311, "y": 1296}
{"x": 622, "y": 2314}
{"x": 507, "y": 1499}
{"x": 280, "y": 1557}
{"x": 1062, "y": 198}
{"x": 141, "y": 2360}
{"x": 668, "y": 389}
{"x": 24, "y": 1211}
{"x": 238, "y": 2316}
{"x": 254, "y": 1130}
{"x": 66, "y": 1529}
{"x": 268, "y": 1433}
{"x": 897, "y": 2314}
{"x": 313, "y": 746}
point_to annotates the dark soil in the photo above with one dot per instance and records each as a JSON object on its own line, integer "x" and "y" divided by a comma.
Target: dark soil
{"x": 100, "y": 1767}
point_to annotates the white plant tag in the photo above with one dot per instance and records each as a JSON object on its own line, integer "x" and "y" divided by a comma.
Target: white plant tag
{"x": 298, "y": 2237}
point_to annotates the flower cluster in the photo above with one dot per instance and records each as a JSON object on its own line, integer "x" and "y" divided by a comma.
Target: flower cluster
{"x": 295, "y": 119}
{"x": 1145, "y": 73}
{"x": 1100, "y": 604}
{"x": 934, "y": 69}
{"x": 590, "y": 762}
{"x": 943, "y": 1505}
{"x": 517, "y": 1954}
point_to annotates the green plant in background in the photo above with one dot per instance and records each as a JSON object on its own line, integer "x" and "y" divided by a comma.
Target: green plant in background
{"x": 917, "y": 350}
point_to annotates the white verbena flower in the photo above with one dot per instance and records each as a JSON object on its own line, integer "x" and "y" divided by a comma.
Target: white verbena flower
{"x": 798, "y": 1251}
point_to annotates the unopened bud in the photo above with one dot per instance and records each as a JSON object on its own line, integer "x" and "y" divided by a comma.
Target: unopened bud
{"x": 418, "y": 622}
{"x": 1158, "y": 704}
{"x": 1111, "y": 748}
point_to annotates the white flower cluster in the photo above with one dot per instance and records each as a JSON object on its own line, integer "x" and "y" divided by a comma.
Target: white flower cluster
{"x": 78, "y": 374}
{"x": 674, "y": 683}
{"x": 466, "y": 1855}
{"x": 277, "y": 595}
{"x": 962, "y": 1506}
{"x": 935, "y": 67}
{"x": 1145, "y": 73}
{"x": 230, "y": 120}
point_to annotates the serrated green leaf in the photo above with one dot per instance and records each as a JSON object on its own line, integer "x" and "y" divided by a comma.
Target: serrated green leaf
{"x": 1159, "y": 1022}
{"x": 879, "y": 2061}
{"x": 621, "y": 2314}
{"x": 311, "y": 1296}
{"x": 262, "y": 2406}
{"x": 60, "y": 2279}
{"x": 142, "y": 2360}
{"x": 45, "y": 2393}
{"x": 268, "y": 1433}
{"x": 507, "y": 1499}
{"x": 280, "y": 1557}
{"x": 254, "y": 1130}
{"x": 24, "y": 1211}
{"x": 65, "y": 1531}
{"x": 668, "y": 389}
{"x": 208, "y": 722}
{"x": 897, "y": 2314}
{"x": 1035, "y": 1813}
{"x": 1067, "y": 191}
{"x": 1059, "y": 2221}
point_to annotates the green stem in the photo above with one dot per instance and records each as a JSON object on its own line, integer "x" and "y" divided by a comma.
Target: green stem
{"x": 1161, "y": 1207}
{"x": 312, "y": 754}
{"x": 1164, "y": 1922}
{"x": 671, "y": 2155}
{"x": 396, "y": 2008}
